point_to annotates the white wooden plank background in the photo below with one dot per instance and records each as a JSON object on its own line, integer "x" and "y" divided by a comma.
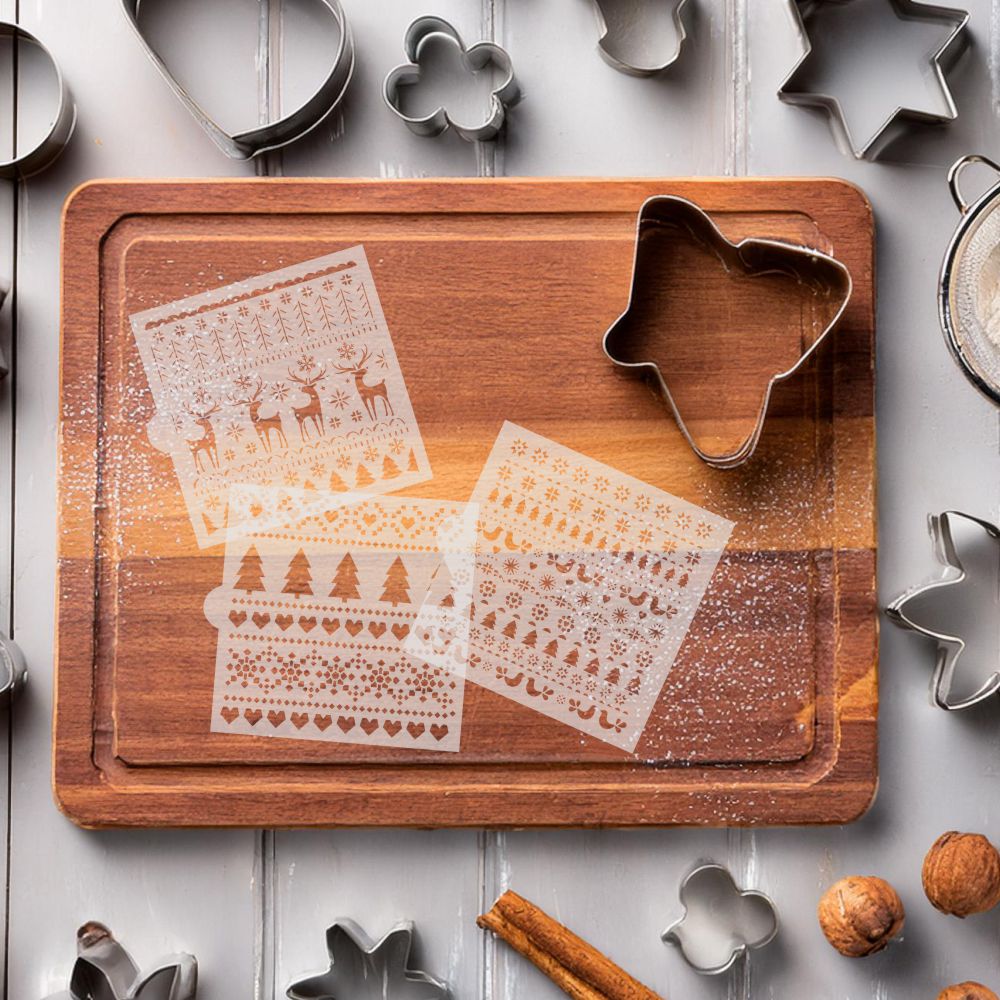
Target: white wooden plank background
{"x": 253, "y": 905}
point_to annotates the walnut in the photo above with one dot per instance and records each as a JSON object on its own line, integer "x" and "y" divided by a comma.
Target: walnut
{"x": 967, "y": 991}
{"x": 860, "y": 914}
{"x": 961, "y": 874}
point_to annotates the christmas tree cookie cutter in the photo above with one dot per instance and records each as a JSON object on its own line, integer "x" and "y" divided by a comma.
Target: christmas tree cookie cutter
{"x": 59, "y": 129}
{"x": 828, "y": 279}
{"x": 104, "y": 970}
{"x": 362, "y": 969}
{"x": 949, "y": 647}
{"x": 721, "y": 921}
{"x": 281, "y": 131}
{"x": 476, "y": 58}
{"x": 624, "y": 43}
{"x": 794, "y": 88}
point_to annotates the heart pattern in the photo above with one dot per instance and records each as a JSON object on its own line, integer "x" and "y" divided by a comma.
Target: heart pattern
{"x": 353, "y": 627}
{"x": 261, "y": 618}
{"x": 237, "y": 618}
{"x": 377, "y": 629}
{"x": 230, "y": 714}
{"x": 307, "y": 624}
{"x": 400, "y": 631}
{"x": 331, "y": 625}
{"x": 284, "y": 622}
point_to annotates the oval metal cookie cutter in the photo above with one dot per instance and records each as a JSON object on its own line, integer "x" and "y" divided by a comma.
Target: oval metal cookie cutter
{"x": 969, "y": 289}
{"x": 274, "y": 134}
{"x": 476, "y": 58}
{"x": 58, "y": 133}
{"x": 721, "y": 921}
{"x": 752, "y": 256}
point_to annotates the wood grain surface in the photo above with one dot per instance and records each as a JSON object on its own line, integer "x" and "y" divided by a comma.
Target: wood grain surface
{"x": 496, "y": 295}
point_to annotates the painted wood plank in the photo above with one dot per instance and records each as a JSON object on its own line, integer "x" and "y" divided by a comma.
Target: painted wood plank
{"x": 159, "y": 892}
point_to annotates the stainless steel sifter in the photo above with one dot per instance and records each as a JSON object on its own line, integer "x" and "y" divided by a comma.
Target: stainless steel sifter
{"x": 969, "y": 292}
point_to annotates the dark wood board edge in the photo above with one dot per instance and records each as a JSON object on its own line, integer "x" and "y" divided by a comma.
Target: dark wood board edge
{"x": 837, "y": 783}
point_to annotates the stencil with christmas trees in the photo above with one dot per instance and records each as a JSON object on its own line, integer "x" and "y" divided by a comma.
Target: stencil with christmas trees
{"x": 316, "y": 615}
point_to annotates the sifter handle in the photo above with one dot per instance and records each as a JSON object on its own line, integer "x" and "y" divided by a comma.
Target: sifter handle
{"x": 955, "y": 176}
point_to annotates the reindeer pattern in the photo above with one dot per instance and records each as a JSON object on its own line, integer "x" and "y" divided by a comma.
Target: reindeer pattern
{"x": 288, "y": 379}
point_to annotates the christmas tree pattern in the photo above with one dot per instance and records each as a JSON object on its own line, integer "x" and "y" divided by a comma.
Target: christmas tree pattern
{"x": 251, "y": 575}
{"x": 298, "y": 579}
{"x": 396, "y": 584}
{"x": 345, "y": 580}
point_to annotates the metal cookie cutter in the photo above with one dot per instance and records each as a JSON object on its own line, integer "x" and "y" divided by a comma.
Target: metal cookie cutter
{"x": 721, "y": 922}
{"x": 969, "y": 290}
{"x": 104, "y": 970}
{"x": 275, "y": 134}
{"x": 949, "y": 647}
{"x": 476, "y": 58}
{"x": 361, "y": 969}
{"x": 59, "y": 130}
{"x": 623, "y": 43}
{"x": 940, "y": 61}
{"x": 812, "y": 268}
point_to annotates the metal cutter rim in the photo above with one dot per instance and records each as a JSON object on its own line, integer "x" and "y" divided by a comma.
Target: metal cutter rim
{"x": 48, "y": 148}
{"x": 742, "y": 454}
{"x": 941, "y": 60}
{"x": 274, "y": 134}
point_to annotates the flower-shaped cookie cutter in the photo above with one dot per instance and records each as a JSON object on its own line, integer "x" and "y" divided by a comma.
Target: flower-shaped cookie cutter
{"x": 361, "y": 969}
{"x": 623, "y": 45}
{"x": 793, "y": 89}
{"x": 949, "y": 647}
{"x": 812, "y": 268}
{"x": 279, "y": 132}
{"x": 721, "y": 922}
{"x": 104, "y": 970}
{"x": 476, "y": 58}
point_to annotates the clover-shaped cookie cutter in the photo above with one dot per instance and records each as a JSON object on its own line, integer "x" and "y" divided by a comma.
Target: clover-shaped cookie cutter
{"x": 949, "y": 647}
{"x": 476, "y": 58}
{"x": 618, "y": 44}
{"x": 104, "y": 970}
{"x": 721, "y": 922}
{"x": 941, "y": 61}
{"x": 59, "y": 129}
{"x": 361, "y": 969}
{"x": 282, "y": 131}
{"x": 753, "y": 256}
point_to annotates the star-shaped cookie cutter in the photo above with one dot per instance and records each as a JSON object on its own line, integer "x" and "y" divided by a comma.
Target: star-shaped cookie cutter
{"x": 476, "y": 58}
{"x": 752, "y": 255}
{"x": 614, "y": 45}
{"x": 949, "y": 647}
{"x": 361, "y": 969}
{"x": 941, "y": 60}
{"x": 721, "y": 921}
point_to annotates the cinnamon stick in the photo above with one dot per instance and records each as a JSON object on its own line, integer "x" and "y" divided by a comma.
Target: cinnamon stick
{"x": 575, "y": 966}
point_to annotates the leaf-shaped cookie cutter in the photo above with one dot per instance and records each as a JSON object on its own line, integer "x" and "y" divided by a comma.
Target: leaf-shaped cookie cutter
{"x": 942, "y": 59}
{"x": 476, "y": 58}
{"x": 612, "y": 50}
{"x": 368, "y": 968}
{"x": 104, "y": 970}
{"x": 753, "y": 255}
{"x": 713, "y": 888}
{"x": 949, "y": 647}
{"x": 273, "y": 134}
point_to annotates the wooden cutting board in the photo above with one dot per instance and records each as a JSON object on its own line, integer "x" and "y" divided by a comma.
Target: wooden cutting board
{"x": 497, "y": 294}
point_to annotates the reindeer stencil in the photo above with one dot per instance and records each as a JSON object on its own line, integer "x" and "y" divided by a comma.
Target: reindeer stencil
{"x": 205, "y": 443}
{"x": 264, "y": 426}
{"x": 368, "y": 393}
{"x": 313, "y": 410}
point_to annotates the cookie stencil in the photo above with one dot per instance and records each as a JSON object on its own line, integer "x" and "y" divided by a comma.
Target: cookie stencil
{"x": 286, "y": 379}
{"x": 586, "y": 581}
{"x": 318, "y": 614}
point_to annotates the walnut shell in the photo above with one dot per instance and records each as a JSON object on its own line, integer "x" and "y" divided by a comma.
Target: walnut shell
{"x": 961, "y": 874}
{"x": 860, "y": 915}
{"x": 967, "y": 991}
